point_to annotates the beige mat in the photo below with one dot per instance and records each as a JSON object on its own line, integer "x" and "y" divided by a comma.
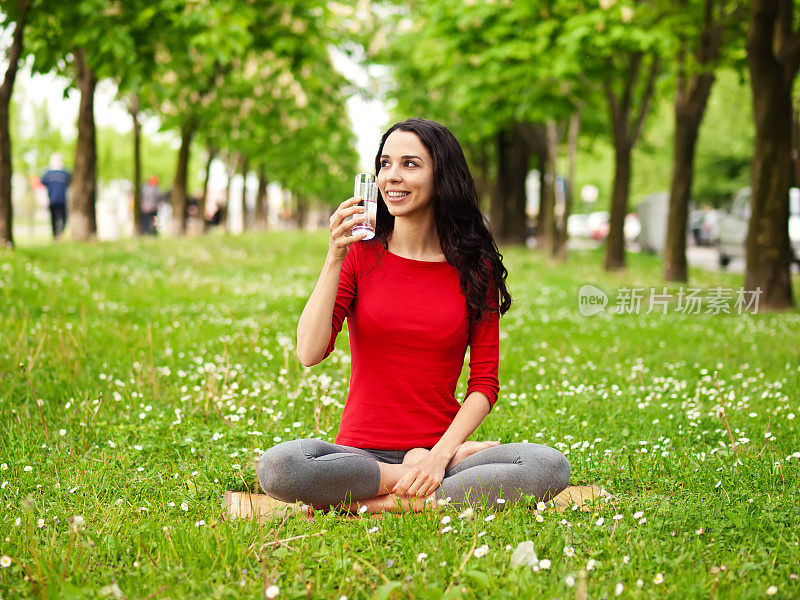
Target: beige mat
{"x": 245, "y": 506}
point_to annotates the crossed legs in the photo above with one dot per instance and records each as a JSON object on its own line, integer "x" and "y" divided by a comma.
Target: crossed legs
{"x": 327, "y": 476}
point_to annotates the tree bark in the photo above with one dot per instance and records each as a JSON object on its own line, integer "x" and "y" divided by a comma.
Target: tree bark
{"x": 509, "y": 200}
{"x": 690, "y": 106}
{"x": 547, "y": 194}
{"x": 560, "y": 245}
{"x": 178, "y": 194}
{"x": 245, "y": 168}
{"x": 625, "y": 133}
{"x": 773, "y": 66}
{"x": 137, "y": 165}
{"x": 262, "y": 204}
{"x": 14, "y": 53}
{"x": 301, "y": 211}
{"x": 201, "y": 205}
{"x": 84, "y": 180}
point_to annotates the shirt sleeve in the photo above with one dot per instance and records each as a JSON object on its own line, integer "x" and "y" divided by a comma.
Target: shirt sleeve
{"x": 345, "y": 296}
{"x": 484, "y": 355}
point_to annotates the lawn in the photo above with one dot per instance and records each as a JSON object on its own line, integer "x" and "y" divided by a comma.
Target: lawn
{"x": 163, "y": 368}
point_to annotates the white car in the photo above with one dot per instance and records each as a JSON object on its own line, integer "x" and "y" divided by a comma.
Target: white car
{"x": 733, "y": 226}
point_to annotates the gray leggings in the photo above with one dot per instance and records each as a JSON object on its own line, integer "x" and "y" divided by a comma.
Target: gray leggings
{"x": 320, "y": 473}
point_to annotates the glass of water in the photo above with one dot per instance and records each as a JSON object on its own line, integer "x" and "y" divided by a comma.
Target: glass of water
{"x": 366, "y": 190}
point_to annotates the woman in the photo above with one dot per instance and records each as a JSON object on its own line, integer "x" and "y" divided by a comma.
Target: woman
{"x": 426, "y": 287}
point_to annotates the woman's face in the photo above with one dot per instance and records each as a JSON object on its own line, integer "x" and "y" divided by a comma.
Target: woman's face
{"x": 405, "y": 178}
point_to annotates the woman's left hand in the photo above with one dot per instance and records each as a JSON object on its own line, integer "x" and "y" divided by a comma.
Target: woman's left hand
{"x": 424, "y": 477}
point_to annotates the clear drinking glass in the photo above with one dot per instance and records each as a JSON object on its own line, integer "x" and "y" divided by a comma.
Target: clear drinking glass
{"x": 366, "y": 189}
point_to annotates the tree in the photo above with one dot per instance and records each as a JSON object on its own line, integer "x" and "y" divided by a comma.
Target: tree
{"x": 702, "y": 37}
{"x": 449, "y": 63}
{"x": 16, "y": 12}
{"x": 773, "y": 55}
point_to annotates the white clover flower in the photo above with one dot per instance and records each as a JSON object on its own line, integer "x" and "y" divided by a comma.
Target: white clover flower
{"x": 600, "y": 521}
{"x": 445, "y": 520}
{"x": 363, "y": 509}
{"x": 200, "y": 523}
{"x": 372, "y": 530}
{"x": 617, "y": 517}
{"x": 421, "y": 556}
{"x": 626, "y": 559}
{"x": 443, "y": 501}
{"x": 591, "y": 564}
{"x": 489, "y": 518}
{"x": 643, "y": 520}
{"x": 272, "y": 591}
{"x": 501, "y": 500}
{"x": 5, "y": 561}
{"x": 481, "y": 551}
{"x": 569, "y": 580}
{"x": 76, "y": 522}
{"x": 17, "y": 522}
{"x": 62, "y": 432}
{"x": 639, "y": 583}
{"x": 638, "y": 514}
{"x": 619, "y": 589}
{"x": 659, "y": 578}
{"x": 545, "y": 563}
{"x": 447, "y": 529}
{"x": 467, "y": 514}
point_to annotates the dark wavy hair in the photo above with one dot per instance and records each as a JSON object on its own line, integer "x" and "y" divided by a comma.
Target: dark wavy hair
{"x": 466, "y": 241}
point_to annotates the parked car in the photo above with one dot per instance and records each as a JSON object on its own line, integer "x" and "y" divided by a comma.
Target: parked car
{"x": 595, "y": 226}
{"x": 734, "y": 222}
{"x": 704, "y": 225}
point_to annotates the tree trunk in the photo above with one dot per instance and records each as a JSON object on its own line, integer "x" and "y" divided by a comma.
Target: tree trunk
{"x": 509, "y": 201}
{"x": 84, "y": 180}
{"x": 13, "y": 55}
{"x": 547, "y": 194}
{"x": 625, "y": 132}
{"x": 262, "y": 205}
{"x": 560, "y": 247}
{"x": 245, "y": 168}
{"x": 223, "y": 215}
{"x": 137, "y": 165}
{"x": 497, "y": 206}
{"x": 690, "y": 106}
{"x": 178, "y": 195}
{"x": 615, "y": 242}
{"x": 768, "y": 246}
{"x": 301, "y": 212}
{"x": 201, "y": 206}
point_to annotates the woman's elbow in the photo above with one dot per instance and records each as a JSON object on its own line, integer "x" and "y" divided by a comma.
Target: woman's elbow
{"x": 308, "y": 360}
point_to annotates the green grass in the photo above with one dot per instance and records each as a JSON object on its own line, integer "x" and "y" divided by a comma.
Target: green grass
{"x": 164, "y": 367}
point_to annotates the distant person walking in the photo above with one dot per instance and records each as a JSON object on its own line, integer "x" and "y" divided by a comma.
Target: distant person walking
{"x": 150, "y": 197}
{"x": 56, "y": 180}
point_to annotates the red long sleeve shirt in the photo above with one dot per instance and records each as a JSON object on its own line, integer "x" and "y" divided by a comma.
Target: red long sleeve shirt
{"x": 409, "y": 329}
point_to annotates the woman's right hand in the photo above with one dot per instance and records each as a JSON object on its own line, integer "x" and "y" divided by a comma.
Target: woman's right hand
{"x": 340, "y": 237}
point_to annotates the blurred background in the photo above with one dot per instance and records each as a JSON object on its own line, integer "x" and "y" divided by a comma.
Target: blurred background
{"x": 658, "y": 126}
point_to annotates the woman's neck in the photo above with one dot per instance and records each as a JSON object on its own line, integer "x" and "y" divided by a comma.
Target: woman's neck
{"x": 415, "y": 241}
